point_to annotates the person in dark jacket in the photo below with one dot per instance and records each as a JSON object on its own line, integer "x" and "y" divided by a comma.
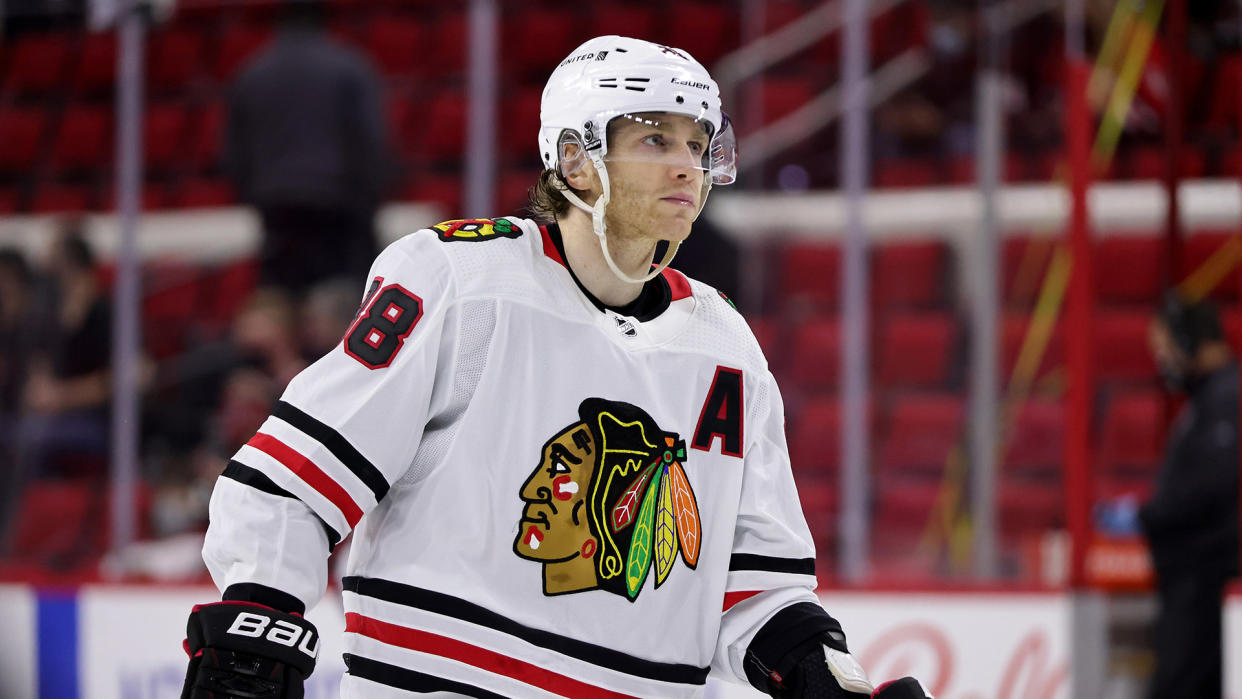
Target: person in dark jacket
{"x": 1191, "y": 521}
{"x": 306, "y": 146}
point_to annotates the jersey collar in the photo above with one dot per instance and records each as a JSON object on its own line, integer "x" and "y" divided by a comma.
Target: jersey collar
{"x": 654, "y": 298}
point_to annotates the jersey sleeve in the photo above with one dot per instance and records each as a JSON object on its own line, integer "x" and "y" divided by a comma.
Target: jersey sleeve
{"x": 343, "y": 432}
{"x": 773, "y": 562}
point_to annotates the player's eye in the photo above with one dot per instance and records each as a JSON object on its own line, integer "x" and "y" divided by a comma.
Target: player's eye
{"x": 654, "y": 139}
{"x": 557, "y": 467}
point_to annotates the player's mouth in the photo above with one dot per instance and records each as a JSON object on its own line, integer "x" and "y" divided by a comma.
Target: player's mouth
{"x": 533, "y": 537}
{"x": 680, "y": 200}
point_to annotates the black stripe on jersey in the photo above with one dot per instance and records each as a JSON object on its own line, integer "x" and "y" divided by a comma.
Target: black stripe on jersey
{"x": 771, "y": 564}
{"x": 259, "y": 481}
{"x": 338, "y": 445}
{"x": 447, "y": 605}
{"x": 409, "y": 680}
{"x": 262, "y": 594}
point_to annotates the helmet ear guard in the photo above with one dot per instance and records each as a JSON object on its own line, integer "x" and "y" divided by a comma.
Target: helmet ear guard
{"x": 571, "y": 153}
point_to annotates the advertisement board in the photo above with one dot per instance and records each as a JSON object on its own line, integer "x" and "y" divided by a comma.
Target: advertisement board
{"x": 124, "y": 642}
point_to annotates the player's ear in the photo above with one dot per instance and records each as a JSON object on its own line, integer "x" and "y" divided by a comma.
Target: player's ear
{"x": 584, "y": 178}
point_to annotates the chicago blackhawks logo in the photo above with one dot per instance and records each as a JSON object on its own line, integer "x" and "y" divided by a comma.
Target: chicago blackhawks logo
{"x": 608, "y": 501}
{"x": 477, "y": 229}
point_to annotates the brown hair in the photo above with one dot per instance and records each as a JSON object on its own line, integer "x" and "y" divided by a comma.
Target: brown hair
{"x": 546, "y": 198}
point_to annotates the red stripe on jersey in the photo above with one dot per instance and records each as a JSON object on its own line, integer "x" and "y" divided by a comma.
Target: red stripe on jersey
{"x": 453, "y": 649}
{"x": 732, "y": 598}
{"x": 305, "y": 469}
{"x": 678, "y": 285}
{"x": 549, "y": 247}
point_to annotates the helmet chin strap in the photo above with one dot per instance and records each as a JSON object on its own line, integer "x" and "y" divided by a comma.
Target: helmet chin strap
{"x": 597, "y": 224}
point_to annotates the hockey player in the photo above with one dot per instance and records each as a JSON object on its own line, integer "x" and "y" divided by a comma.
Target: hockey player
{"x": 564, "y": 469}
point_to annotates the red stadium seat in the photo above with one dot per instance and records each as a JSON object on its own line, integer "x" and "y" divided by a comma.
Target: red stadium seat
{"x": 96, "y": 70}
{"x": 1198, "y": 250}
{"x": 1015, "y": 326}
{"x": 1035, "y": 438}
{"x": 815, "y": 437}
{"x": 1128, "y": 269}
{"x": 820, "y": 503}
{"x": 511, "y": 196}
{"x": 545, "y": 37}
{"x": 810, "y": 276}
{"x": 905, "y": 509}
{"x": 906, "y": 173}
{"x": 397, "y": 45}
{"x": 205, "y": 194}
{"x": 85, "y": 139}
{"x": 164, "y": 131}
{"x": 916, "y": 350}
{"x": 782, "y": 96}
{"x": 909, "y": 274}
{"x": 408, "y": 122}
{"x": 708, "y": 31}
{"x": 1030, "y": 507}
{"x": 24, "y": 129}
{"x": 444, "y": 190}
{"x": 154, "y": 196}
{"x": 238, "y": 44}
{"x": 1120, "y": 347}
{"x": 519, "y": 131}
{"x": 1024, "y": 262}
{"x": 922, "y": 431}
{"x": 446, "y": 130}
{"x": 174, "y": 59}
{"x": 206, "y": 139}
{"x": 1132, "y": 436}
{"x": 57, "y": 198}
{"x": 962, "y": 169}
{"x": 37, "y": 64}
{"x": 815, "y": 355}
{"x": 447, "y": 58}
{"x": 637, "y": 21}
{"x": 8, "y": 201}
{"x": 1149, "y": 163}
{"x": 1231, "y": 324}
{"x": 53, "y": 519}
{"x": 227, "y": 287}
{"x": 768, "y": 333}
{"x": 902, "y": 27}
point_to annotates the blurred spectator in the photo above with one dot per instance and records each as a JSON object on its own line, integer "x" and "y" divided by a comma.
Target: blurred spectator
{"x": 65, "y": 396}
{"x": 326, "y": 315}
{"x": 16, "y": 324}
{"x": 225, "y": 392}
{"x": 305, "y": 144}
{"x": 1191, "y": 522}
{"x": 16, "y": 298}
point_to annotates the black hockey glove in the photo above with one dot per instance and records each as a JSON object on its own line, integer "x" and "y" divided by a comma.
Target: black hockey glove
{"x": 800, "y": 653}
{"x": 828, "y": 673}
{"x": 243, "y": 650}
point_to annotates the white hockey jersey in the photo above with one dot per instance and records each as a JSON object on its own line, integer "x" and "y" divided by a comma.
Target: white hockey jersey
{"x": 550, "y": 498}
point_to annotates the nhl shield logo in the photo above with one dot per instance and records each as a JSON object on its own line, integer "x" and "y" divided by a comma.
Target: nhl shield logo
{"x": 608, "y": 501}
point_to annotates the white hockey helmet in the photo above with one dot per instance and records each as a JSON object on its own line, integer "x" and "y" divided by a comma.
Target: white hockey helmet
{"x": 611, "y": 77}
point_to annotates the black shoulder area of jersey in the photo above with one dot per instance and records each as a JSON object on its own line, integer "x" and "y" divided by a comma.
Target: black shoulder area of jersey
{"x": 476, "y": 230}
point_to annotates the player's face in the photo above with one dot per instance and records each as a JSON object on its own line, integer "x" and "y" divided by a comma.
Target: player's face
{"x": 655, "y": 175}
{"x": 554, "y": 522}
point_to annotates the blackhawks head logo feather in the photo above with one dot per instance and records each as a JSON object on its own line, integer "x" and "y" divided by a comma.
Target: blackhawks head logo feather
{"x": 608, "y": 502}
